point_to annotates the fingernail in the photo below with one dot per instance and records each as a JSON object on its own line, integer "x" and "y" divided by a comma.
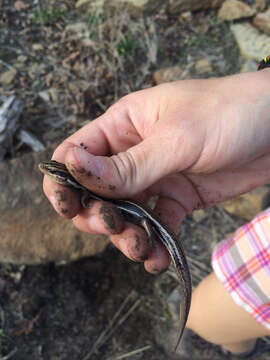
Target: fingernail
{"x": 93, "y": 164}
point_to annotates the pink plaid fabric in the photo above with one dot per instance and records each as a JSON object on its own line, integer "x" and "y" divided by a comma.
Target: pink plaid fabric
{"x": 242, "y": 263}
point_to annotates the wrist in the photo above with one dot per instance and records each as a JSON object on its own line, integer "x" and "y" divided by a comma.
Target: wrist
{"x": 246, "y": 104}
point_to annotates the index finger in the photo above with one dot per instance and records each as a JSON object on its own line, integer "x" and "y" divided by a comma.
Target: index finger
{"x": 64, "y": 200}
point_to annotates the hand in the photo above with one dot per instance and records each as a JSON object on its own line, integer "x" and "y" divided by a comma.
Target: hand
{"x": 193, "y": 143}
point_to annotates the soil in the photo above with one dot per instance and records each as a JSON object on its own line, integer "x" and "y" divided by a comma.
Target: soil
{"x": 58, "y": 312}
{"x": 104, "y": 307}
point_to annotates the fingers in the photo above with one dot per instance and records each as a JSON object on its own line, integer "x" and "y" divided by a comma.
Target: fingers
{"x": 131, "y": 239}
{"x": 89, "y": 136}
{"x": 133, "y": 243}
{"x": 100, "y": 217}
{"x": 158, "y": 260}
{"x": 105, "y": 218}
{"x": 64, "y": 200}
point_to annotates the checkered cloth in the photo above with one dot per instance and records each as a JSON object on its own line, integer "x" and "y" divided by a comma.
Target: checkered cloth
{"x": 242, "y": 263}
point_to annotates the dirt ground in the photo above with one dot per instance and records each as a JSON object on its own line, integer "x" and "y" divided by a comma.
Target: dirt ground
{"x": 104, "y": 307}
{"x": 59, "y": 312}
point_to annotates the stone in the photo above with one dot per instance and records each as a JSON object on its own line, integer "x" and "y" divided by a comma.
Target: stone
{"x": 186, "y": 16}
{"x": 248, "y": 205}
{"x": 203, "y": 66}
{"x": 262, "y": 21}
{"x": 136, "y": 3}
{"x": 22, "y": 58}
{"x": 7, "y": 77}
{"x": 260, "y": 5}
{"x": 44, "y": 95}
{"x": 30, "y": 231}
{"x": 78, "y": 30}
{"x": 252, "y": 43}
{"x": 234, "y": 9}
{"x": 149, "y": 5}
{"x": 199, "y": 215}
{"x": 192, "y": 5}
{"x": 37, "y": 47}
{"x": 88, "y": 3}
{"x": 54, "y": 95}
{"x": 172, "y": 73}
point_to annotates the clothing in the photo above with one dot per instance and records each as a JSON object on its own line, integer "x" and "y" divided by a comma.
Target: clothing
{"x": 242, "y": 264}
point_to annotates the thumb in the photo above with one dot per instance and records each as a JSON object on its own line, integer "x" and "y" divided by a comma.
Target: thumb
{"x": 124, "y": 174}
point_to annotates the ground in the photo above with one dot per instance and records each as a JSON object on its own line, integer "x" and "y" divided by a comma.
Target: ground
{"x": 104, "y": 307}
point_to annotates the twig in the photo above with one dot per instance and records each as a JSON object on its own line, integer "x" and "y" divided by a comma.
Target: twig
{"x": 198, "y": 264}
{"x": 10, "y": 67}
{"x": 114, "y": 324}
{"x": 9, "y": 356}
{"x": 103, "y": 107}
{"x": 2, "y": 317}
{"x": 120, "y": 322}
{"x": 134, "y": 352}
{"x": 266, "y": 340}
{"x": 228, "y": 217}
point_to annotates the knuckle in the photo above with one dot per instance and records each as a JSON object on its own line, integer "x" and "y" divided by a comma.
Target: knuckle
{"x": 126, "y": 168}
{"x": 123, "y": 105}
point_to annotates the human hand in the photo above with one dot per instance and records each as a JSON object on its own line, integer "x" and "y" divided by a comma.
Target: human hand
{"x": 193, "y": 143}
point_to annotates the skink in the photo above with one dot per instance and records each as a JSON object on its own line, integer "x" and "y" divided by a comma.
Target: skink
{"x": 140, "y": 214}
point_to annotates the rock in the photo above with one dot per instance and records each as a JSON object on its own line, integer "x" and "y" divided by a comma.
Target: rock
{"x": 203, "y": 66}
{"x": 37, "y": 47}
{"x": 10, "y": 112}
{"x": 248, "y": 205}
{"x": 87, "y": 3}
{"x": 141, "y": 4}
{"x": 30, "y": 231}
{"x": 262, "y": 21}
{"x": 54, "y": 95}
{"x": 169, "y": 74}
{"x": 78, "y": 30}
{"x": 260, "y": 5}
{"x": 7, "y": 77}
{"x": 137, "y": 5}
{"x": 44, "y": 95}
{"x": 252, "y": 44}
{"x": 191, "y": 5}
{"x": 199, "y": 215}
{"x": 234, "y": 9}
{"x": 150, "y": 5}
{"x": 22, "y": 58}
{"x": 186, "y": 16}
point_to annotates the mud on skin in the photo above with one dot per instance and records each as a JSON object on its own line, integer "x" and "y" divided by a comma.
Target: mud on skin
{"x": 81, "y": 171}
{"x": 61, "y": 198}
{"x": 136, "y": 250}
{"x": 112, "y": 217}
